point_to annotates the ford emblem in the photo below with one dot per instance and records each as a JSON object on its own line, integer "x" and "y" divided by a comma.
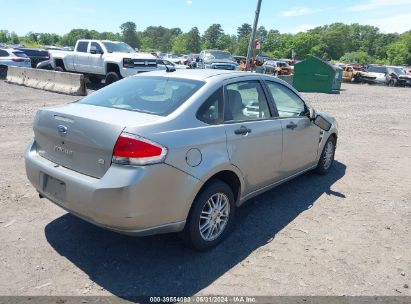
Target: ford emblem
{"x": 62, "y": 129}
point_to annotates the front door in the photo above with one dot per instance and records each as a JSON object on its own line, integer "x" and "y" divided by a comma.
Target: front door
{"x": 97, "y": 60}
{"x": 254, "y": 138}
{"x": 300, "y": 135}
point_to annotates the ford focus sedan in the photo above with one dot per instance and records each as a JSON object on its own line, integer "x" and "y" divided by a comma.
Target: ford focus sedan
{"x": 176, "y": 151}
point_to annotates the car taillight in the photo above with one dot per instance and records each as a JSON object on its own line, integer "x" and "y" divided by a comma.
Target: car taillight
{"x": 135, "y": 150}
{"x": 18, "y": 59}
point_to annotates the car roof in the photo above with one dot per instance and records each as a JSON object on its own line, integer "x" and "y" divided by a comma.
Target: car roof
{"x": 198, "y": 74}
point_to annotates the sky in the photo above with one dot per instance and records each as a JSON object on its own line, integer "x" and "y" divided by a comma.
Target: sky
{"x": 292, "y": 16}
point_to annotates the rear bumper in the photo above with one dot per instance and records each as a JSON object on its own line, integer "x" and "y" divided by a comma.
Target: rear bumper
{"x": 131, "y": 200}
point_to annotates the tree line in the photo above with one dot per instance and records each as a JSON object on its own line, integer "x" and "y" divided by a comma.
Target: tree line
{"x": 340, "y": 42}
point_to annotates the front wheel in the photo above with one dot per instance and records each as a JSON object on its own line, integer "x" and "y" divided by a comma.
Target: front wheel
{"x": 112, "y": 77}
{"x": 327, "y": 157}
{"x": 211, "y": 216}
{"x": 392, "y": 83}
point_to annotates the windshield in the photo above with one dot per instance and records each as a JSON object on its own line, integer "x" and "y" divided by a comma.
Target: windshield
{"x": 218, "y": 55}
{"x": 118, "y": 47}
{"x": 377, "y": 69}
{"x": 398, "y": 71}
{"x": 153, "y": 95}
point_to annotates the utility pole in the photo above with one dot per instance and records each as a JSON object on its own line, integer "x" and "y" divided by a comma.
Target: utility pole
{"x": 252, "y": 38}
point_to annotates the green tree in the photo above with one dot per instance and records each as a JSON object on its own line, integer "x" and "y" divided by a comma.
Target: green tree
{"x": 193, "y": 40}
{"x": 4, "y": 36}
{"x": 71, "y": 38}
{"x": 211, "y": 36}
{"x": 244, "y": 30}
{"x": 179, "y": 44}
{"x": 398, "y": 53}
{"x": 110, "y": 36}
{"x": 358, "y": 56}
{"x": 303, "y": 43}
{"x": 225, "y": 43}
{"x": 128, "y": 31}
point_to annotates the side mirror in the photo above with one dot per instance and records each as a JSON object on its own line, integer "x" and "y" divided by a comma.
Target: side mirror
{"x": 322, "y": 123}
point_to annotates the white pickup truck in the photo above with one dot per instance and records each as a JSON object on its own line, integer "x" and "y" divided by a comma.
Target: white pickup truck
{"x": 103, "y": 59}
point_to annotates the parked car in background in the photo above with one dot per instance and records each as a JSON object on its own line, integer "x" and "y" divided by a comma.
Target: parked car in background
{"x": 175, "y": 58}
{"x": 103, "y": 59}
{"x": 36, "y": 55}
{"x": 276, "y": 67}
{"x": 397, "y": 77}
{"x": 12, "y": 57}
{"x": 238, "y": 59}
{"x": 45, "y": 65}
{"x": 163, "y": 64}
{"x": 353, "y": 73}
{"x": 156, "y": 153}
{"x": 376, "y": 74}
{"x": 260, "y": 59}
{"x": 216, "y": 59}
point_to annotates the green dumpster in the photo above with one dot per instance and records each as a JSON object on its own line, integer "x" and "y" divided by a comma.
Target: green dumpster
{"x": 317, "y": 75}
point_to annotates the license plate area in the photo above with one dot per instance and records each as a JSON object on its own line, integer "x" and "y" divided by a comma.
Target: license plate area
{"x": 54, "y": 187}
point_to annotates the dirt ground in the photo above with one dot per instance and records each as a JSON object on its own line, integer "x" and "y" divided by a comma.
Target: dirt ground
{"x": 347, "y": 233}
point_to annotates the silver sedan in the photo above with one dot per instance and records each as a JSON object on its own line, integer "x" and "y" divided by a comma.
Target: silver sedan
{"x": 176, "y": 151}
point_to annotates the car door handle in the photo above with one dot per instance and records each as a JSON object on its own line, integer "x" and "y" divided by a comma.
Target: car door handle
{"x": 242, "y": 131}
{"x": 291, "y": 126}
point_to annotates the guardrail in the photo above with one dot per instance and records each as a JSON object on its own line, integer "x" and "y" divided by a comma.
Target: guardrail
{"x": 60, "y": 82}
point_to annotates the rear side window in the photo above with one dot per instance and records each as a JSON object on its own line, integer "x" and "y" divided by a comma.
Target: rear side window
{"x": 211, "y": 112}
{"x": 153, "y": 95}
{"x": 82, "y": 46}
{"x": 247, "y": 101}
{"x": 4, "y": 53}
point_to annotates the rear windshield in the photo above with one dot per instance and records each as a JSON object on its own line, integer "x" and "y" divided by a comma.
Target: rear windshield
{"x": 20, "y": 54}
{"x": 154, "y": 95}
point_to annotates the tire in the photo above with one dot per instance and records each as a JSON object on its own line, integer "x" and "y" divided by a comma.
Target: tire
{"x": 326, "y": 160}
{"x": 192, "y": 234}
{"x": 112, "y": 77}
{"x": 94, "y": 80}
{"x": 58, "y": 69}
{"x": 3, "y": 71}
{"x": 392, "y": 83}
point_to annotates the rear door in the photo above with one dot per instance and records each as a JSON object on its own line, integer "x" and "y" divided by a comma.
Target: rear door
{"x": 300, "y": 135}
{"x": 254, "y": 137}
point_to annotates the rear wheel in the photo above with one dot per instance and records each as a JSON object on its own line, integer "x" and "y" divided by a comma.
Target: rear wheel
{"x": 327, "y": 157}
{"x": 211, "y": 216}
{"x": 59, "y": 69}
{"x": 112, "y": 77}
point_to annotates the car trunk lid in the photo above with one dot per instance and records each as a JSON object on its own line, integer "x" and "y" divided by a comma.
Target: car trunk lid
{"x": 81, "y": 137}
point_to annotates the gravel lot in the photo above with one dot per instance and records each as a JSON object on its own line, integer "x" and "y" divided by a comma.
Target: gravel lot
{"x": 347, "y": 233}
